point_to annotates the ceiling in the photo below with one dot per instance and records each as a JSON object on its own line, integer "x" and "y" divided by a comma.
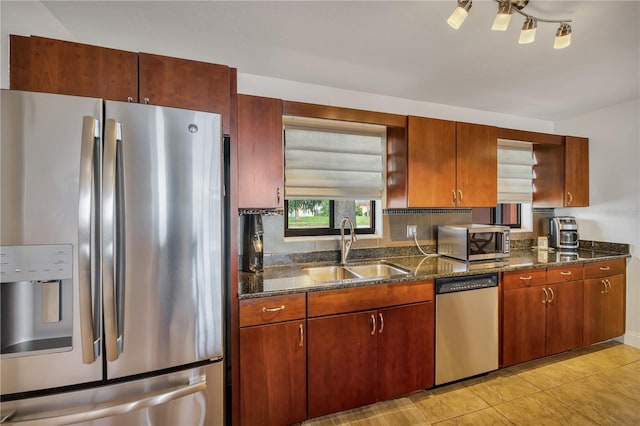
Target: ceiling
{"x": 394, "y": 48}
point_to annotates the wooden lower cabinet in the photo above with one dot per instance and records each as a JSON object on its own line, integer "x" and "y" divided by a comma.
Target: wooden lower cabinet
{"x": 604, "y": 308}
{"x": 564, "y": 317}
{"x": 405, "y": 350}
{"x": 524, "y": 328}
{"x": 540, "y": 319}
{"x": 273, "y": 374}
{"x": 342, "y": 361}
{"x": 360, "y": 358}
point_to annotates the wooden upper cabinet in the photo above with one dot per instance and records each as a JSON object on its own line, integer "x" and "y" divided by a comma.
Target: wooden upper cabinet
{"x": 477, "y": 167}
{"x": 576, "y": 168}
{"x": 451, "y": 164}
{"x": 182, "y": 83}
{"x": 549, "y": 175}
{"x": 431, "y": 162}
{"x": 260, "y": 157}
{"x": 40, "y": 64}
{"x": 561, "y": 173}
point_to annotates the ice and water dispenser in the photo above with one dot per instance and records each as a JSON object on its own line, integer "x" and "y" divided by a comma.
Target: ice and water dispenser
{"x": 36, "y": 299}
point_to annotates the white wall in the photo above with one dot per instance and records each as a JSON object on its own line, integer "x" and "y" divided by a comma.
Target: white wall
{"x": 614, "y": 190}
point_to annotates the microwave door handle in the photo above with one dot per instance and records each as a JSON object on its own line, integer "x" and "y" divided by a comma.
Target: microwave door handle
{"x": 112, "y": 133}
{"x": 90, "y": 344}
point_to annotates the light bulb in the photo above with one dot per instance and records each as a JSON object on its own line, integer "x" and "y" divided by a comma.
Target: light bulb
{"x": 563, "y": 37}
{"x": 528, "y": 33}
{"x": 459, "y": 14}
{"x": 503, "y": 17}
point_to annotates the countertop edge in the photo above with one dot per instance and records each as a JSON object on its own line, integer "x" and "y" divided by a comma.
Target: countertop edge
{"x": 423, "y": 277}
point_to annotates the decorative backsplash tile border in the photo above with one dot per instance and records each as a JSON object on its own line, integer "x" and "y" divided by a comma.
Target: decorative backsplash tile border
{"x": 425, "y": 211}
{"x": 265, "y": 212}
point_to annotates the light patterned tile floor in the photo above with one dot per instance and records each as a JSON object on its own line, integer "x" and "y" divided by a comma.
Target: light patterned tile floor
{"x": 597, "y": 385}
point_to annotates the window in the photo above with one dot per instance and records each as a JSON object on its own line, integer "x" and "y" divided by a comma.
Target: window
{"x": 322, "y": 217}
{"x": 515, "y": 187}
{"x": 332, "y": 170}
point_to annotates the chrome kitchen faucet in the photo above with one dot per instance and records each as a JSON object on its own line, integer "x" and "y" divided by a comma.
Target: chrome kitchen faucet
{"x": 346, "y": 245}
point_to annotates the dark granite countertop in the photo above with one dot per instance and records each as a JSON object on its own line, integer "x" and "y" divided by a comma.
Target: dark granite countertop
{"x": 278, "y": 280}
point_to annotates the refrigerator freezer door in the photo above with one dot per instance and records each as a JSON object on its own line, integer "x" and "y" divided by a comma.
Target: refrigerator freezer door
{"x": 189, "y": 397}
{"x": 49, "y": 147}
{"x": 162, "y": 237}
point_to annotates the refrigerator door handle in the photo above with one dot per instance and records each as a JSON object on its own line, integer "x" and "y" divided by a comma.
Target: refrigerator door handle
{"x": 88, "y": 329}
{"x": 91, "y": 412}
{"x": 112, "y": 134}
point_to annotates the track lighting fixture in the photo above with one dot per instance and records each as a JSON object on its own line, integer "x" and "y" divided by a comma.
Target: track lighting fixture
{"x": 503, "y": 17}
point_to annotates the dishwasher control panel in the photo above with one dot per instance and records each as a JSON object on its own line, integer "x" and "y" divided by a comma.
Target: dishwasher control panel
{"x": 465, "y": 283}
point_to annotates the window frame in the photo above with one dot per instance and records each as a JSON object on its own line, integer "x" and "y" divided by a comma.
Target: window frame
{"x": 331, "y": 230}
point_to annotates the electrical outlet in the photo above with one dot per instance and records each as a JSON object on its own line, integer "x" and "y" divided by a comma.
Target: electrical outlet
{"x": 412, "y": 230}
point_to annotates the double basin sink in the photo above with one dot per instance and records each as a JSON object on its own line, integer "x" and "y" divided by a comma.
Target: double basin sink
{"x": 355, "y": 272}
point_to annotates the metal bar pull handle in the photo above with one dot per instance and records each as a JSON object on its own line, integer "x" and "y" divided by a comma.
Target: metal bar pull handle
{"x": 605, "y": 268}
{"x": 453, "y": 201}
{"x": 546, "y": 296}
{"x": 112, "y": 133}
{"x": 373, "y": 324}
{"x": 604, "y": 284}
{"x": 279, "y": 308}
{"x": 565, "y": 273}
{"x": 553, "y": 295}
{"x": 460, "y": 195}
{"x": 301, "y": 328}
{"x": 90, "y": 412}
{"x": 381, "y": 322}
{"x": 86, "y": 201}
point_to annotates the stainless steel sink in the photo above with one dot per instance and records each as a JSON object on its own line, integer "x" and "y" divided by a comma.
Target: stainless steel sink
{"x": 358, "y": 271}
{"x": 330, "y": 273}
{"x": 374, "y": 270}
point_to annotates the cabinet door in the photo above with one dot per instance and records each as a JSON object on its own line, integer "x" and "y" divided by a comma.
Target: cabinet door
{"x": 181, "y": 83}
{"x": 524, "y": 328}
{"x": 260, "y": 162}
{"x": 595, "y": 291}
{"x": 405, "y": 350}
{"x": 40, "y": 64}
{"x": 564, "y": 317}
{"x": 273, "y": 374}
{"x": 477, "y": 165}
{"x": 614, "y": 323}
{"x": 431, "y": 162}
{"x": 576, "y": 169}
{"x": 342, "y": 362}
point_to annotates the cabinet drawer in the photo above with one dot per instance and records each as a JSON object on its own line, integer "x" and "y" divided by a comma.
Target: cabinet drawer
{"x": 560, "y": 274}
{"x": 355, "y": 299}
{"x": 521, "y": 279}
{"x": 604, "y": 269}
{"x": 266, "y": 310}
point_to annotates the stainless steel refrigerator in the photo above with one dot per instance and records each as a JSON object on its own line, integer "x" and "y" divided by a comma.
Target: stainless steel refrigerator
{"x": 111, "y": 262}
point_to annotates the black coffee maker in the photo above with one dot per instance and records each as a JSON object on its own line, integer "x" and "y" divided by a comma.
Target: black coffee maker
{"x": 252, "y": 247}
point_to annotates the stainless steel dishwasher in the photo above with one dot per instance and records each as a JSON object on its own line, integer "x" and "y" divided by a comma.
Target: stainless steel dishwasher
{"x": 466, "y": 326}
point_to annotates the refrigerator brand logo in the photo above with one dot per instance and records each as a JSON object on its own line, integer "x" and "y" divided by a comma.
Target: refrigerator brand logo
{"x": 193, "y": 128}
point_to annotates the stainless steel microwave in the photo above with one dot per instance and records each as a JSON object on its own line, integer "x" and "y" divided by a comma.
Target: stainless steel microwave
{"x": 473, "y": 242}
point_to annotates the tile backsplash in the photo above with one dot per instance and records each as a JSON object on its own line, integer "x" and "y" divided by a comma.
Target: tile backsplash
{"x": 278, "y": 251}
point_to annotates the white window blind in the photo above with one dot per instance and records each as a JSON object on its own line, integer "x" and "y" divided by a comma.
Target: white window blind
{"x": 515, "y": 171}
{"x": 333, "y": 160}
